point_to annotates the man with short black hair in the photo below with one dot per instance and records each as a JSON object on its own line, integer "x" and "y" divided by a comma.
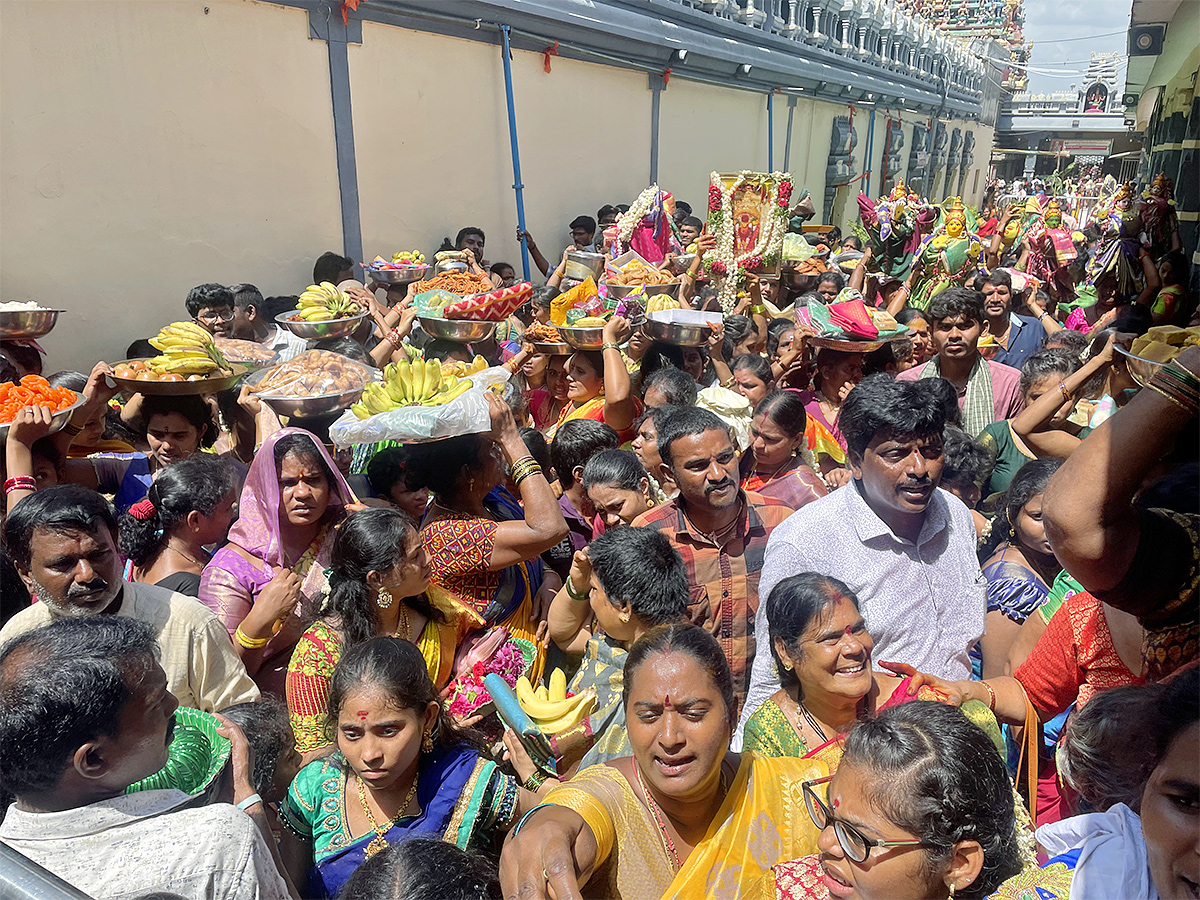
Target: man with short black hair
{"x": 988, "y": 391}
{"x": 251, "y": 323}
{"x": 85, "y": 712}
{"x": 607, "y": 215}
{"x": 719, "y": 530}
{"x": 62, "y": 541}
{"x": 583, "y": 233}
{"x": 689, "y": 231}
{"x": 211, "y": 307}
{"x": 905, "y": 547}
{"x": 574, "y": 444}
{"x": 333, "y": 267}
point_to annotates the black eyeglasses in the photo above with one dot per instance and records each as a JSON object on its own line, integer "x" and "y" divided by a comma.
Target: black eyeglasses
{"x": 210, "y": 315}
{"x": 856, "y": 845}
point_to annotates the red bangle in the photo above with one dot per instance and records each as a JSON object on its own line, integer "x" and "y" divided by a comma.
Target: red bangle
{"x": 393, "y": 338}
{"x": 20, "y": 483}
{"x": 991, "y": 696}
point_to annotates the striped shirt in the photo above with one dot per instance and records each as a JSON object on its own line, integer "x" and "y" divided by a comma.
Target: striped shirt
{"x": 723, "y": 581}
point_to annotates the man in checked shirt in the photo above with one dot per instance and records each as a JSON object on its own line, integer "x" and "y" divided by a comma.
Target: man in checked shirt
{"x": 719, "y": 530}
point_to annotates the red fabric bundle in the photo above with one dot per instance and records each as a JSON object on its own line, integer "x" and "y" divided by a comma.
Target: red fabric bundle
{"x": 852, "y": 317}
{"x": 494, "y": 306}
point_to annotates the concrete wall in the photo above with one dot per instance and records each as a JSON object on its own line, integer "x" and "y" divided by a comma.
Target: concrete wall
{"x": 149, "y": 147}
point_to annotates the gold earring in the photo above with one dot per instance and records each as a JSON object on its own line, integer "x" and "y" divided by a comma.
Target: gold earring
{"x": 385, "y": 598}
{"x": 952, "y": 889}
{"x": 427, "y": 742}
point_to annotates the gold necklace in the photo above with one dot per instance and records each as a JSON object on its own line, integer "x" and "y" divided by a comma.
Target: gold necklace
{"x": 186, "y": 556}
{"x": 379, "y": 842}
{"x": 402, "y": 631}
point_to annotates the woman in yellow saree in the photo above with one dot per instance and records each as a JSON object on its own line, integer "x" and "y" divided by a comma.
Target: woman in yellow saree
{"x": 683, "y": 817}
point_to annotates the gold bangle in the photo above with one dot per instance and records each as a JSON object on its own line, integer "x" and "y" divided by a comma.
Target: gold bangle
{"x": 1158, "y": 390}
{"x": 72, "y": 429}
{"x": 248, "y": 642}
{"x": 758, "y": 310}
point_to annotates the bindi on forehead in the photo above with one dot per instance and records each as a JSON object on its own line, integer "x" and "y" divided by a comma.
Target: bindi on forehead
{"x": 362, "y": 715}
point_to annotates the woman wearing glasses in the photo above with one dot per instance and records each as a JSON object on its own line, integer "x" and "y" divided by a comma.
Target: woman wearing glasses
{"x": 682, "y": 817}
{"x": 920, "y": 807}
{"x": 822, "y": 649}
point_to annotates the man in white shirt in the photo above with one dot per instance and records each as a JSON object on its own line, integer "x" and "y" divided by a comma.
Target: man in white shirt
{"x": 903, "y": 545}
{"x": 84, "y": 713}
{"x": 62, "y": 542}
{"x": 250, "y": 324}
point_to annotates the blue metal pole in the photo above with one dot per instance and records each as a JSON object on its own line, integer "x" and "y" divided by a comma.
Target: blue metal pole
{"x": 787, "y": 141}
{"x": 771, "y": 131}
{"x": 518, "y": 187}
{"x": 870, "y": 151}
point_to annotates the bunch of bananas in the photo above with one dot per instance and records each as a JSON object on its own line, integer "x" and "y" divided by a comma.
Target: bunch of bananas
{"x": 322, "y": 302}
{"x": 551, "y": 709}
{"x": 462, "y": 369}
{"x": 408, "y": 258}
{"x": 659, "y": 302}
{"x": 187, "y": 349}
{"x": 419, "y": 383}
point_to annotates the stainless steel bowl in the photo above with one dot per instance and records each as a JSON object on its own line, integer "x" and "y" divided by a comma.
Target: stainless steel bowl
{"x": 181, "y": 388}
{"x": 57, "y": 421}
{"x": 582, "y": 264}
{"x": 309, "y": 406}
{"x": 465, "y": 331}
{"x": 314, "y": 331}
{"x": 619, "y": 292}
{"x": 407, "y": 275}
{"x": 684, "y": 261}
{"x": 1140, "y": 368}
{"x": 591, "y": 338}
{"x": 26, "y": 324}
{"x": 449, "y": 265}
{"x": 552, "y": 348}
{"x": 678, "y": 333}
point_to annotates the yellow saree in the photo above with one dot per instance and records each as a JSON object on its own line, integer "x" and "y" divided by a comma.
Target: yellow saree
{"x": 762, "y": 821}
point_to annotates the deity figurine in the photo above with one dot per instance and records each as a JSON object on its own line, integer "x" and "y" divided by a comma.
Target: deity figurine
{"x": 892, "y": 229}
{"x": 1157, "y": 209}
{"x": 1051, "y": 252}
{"x": 945, "y": 257}
{"x": 1121, "y": 227}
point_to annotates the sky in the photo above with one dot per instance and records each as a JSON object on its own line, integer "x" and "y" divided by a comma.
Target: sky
{"x": 1055, "y": 26}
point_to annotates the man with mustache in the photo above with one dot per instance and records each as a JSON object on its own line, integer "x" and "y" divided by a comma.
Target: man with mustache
{"x": 988, "y": 391}
{"x": 903, "y": 545}
{"x": 718, "y": 529}
{"x": 85, "y": 712}
{"x": 63, "y": 543}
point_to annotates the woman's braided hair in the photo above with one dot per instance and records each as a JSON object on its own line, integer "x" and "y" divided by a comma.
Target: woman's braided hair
{"x": 937, "y": 776}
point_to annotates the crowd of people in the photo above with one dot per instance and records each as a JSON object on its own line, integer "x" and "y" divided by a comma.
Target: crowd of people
{"x": 919, "y": 620}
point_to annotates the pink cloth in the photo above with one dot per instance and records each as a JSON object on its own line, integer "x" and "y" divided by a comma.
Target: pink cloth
{"x": 1007, "y": 399}
{"x": 1077, "y": 321}
{"x": 231, "y": 583}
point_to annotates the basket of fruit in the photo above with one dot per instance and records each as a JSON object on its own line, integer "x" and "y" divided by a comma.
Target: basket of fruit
{"x": 404, "y": 268}
{"x": 189, "y": 362}
{"x": 323, "y": 311}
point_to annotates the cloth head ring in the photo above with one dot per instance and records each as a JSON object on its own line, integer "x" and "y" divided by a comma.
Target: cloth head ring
{"x": 143, "y": 510}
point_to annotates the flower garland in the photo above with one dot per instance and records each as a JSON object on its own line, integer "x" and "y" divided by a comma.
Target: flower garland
{"x": 723, "y": 263}
{"x": 629, "y": 220}
{"x": 466, "y": 693}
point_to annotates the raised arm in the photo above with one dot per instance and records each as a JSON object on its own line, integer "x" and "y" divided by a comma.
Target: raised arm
{"x": 619, "y": 408}
{"x": 551, "y": 853}
{"x": 1088, "y": 504}
{"x": 569, "y": 615}
{"x": 543, "y": 525}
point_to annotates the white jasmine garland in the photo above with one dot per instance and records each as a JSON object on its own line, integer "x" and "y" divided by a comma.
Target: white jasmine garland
{"x": 771, "y": 229}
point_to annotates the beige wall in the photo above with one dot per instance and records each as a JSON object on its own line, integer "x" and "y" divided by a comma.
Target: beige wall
{"x": 146, "y": 147}
{"x": 452, "y": 167}
{"x": 149, "y": 147}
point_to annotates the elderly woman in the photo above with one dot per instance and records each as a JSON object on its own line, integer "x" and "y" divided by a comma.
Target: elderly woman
{"x": 822, "y": 650}
{"x": 267, "y": 581}
{"x": 780, "y": 465}
{"x": 482, "y": 544}
{"x": 598, "y": 385}
{"x": 682, "y": 816}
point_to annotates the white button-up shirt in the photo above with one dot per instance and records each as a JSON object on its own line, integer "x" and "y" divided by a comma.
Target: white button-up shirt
{"x": 924, "y": 603}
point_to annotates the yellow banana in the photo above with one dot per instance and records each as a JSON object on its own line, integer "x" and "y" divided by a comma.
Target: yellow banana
{"x": 573, "y": 715}
{"x": 446, "y": 396}
{"x": 558, "y": 685}
{"x": 478, "y": 364}
{"x": 433, "y": 377}
{"x": 361, "y": 411}
{"x": 542, "y": 692}
{"x": 418, "y": 381}
{"x": 405, "y": 373}
{"x": 556, "y": 715}
{"x": 190, "y": 366}
{"x": 524, "y": 691}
